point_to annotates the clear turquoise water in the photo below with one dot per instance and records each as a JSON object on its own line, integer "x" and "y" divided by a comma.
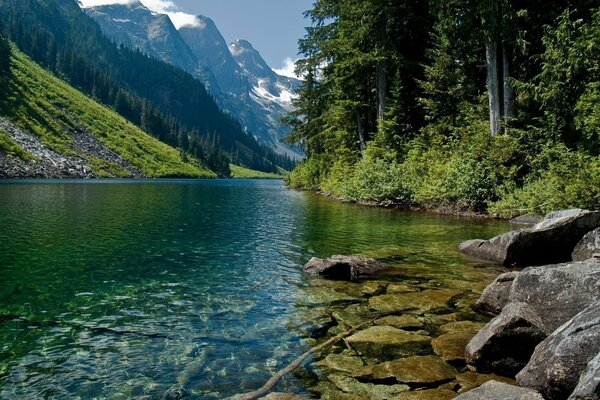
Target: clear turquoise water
{"x": 118, "y": 289}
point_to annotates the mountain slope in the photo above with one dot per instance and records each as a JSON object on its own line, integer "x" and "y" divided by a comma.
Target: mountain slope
{"x": 50, "y": 129}
{"x": 162, "y": 99}
{"x": 252, "y": 92}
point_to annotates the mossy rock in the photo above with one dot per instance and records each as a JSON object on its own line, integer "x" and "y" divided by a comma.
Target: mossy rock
{"x": 341, "y": 362}
{"x": 470, "y": 380}
{"x": 430, "y": 394}
{"x": 451, "y": 346}
{"x": 462, "y": 326}
{"x": 399, "y": 321}
{"x": 370, "y": 390}
{"x": 429, "y": 300}
{"x": 426, "y": 370}
{"x": 400, "y": 288}
{"x": 328, "y": 391}
{"x": 353, "y": 315}
{"x": 326, "y": 296}
{"x": 386, "y": 342}
{"x": 371, "y": 288}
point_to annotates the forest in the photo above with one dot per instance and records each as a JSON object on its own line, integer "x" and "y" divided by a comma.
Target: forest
{"x": 161, "y": 99}
{"x": 458, "y": 105}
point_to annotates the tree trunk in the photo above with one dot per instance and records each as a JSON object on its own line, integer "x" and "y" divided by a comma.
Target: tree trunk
{"x": 493, "y": 76}
{"x": 359, "y": 130}
{"x": 381, "y": 90}
{"x": 507, "y": 97}
{"x": 491, "y": 55}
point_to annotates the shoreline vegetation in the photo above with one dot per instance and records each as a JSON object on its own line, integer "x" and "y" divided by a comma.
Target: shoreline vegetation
{"x": 461, "y": 105}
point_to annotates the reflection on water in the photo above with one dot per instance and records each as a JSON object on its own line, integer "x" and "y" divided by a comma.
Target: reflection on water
{"x": 139, "y": 288}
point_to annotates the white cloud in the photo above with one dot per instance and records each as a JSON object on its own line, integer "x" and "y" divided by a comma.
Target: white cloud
{"x": 287, "y": 69}
{"x": 168, "y": 7}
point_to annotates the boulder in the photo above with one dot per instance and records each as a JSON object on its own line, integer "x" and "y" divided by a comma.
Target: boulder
{"x": 495, "y": 296}
{"x": 588, "y": 246}
{"x": 505, "y": 344}
{"x": 414, "y": 371}
{"x": 558, "y": 361}
{"x": 550, "y": 241}
{"x": 340, "y": 267}
{"x": 387, "y": 343}
{"x": 430, "y": 300}
{"x": 558, "y": 292}
{"x": 493, "y": 390}
{"x": 588, "y": 387}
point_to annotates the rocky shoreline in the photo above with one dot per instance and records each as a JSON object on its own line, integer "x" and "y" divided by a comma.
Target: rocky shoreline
{"x": 425, "y": 342}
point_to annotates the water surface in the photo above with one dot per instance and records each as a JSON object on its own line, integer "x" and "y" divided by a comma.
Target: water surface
{"x": 118, "y": 289}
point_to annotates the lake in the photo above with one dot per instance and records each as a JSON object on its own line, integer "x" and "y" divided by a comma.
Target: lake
{"x": 117, "y": 289}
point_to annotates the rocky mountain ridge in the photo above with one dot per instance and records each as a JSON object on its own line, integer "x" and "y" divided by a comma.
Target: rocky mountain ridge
{"x": 236, "y": 75}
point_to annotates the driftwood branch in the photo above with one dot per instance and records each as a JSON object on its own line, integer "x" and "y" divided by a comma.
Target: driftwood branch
{"x": 296, "y": 363}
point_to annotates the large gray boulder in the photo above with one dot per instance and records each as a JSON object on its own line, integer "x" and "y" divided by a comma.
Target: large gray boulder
{"x": 494, "y": 390}
{"x": 588, "y": 246}
{"x": 588, "y": 387}
{"x": 557, "y": 363}
{"x": 495, "y": 296}
{"x": 342, "y": 267}
{"x": 550, "y": 241}
{"x": 505, "y": 344}
{"x": 558, "y": 292}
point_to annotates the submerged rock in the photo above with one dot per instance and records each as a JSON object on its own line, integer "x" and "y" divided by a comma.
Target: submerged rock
{"x": 462, "y": 326}
{"x": 550, "y": 241}
{"x": 427, "y": 300}
{"x": 505, "y": 344}
{"x": 558, "y": 292}
{"x": 370, "y": 390}
{"x": 412, "y": 370}
{"x": 588, "y": 387}
{"x": 342, "y": 362}
{"x": 342, "y": 267}
{"x": 430, "y": 394}
{"x": 495, "y": 296}
{"x": 494, "y": 390}
{"x": 399, "y": 321}
{"x": 387, "y": 343}
{"x": 470, "y": 380}
{"x": 451, "y": 346}
{"x": 282, "y": 396}
{"x": 557, "y": 363}
{"x": 588, "y": 246}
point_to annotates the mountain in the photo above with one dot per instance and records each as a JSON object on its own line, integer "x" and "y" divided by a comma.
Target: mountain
{"x": 48, "y": 129}
{"x": 136, "y": 27}
{"x": 236, "y": 75}
{"x": 162, "y": 99}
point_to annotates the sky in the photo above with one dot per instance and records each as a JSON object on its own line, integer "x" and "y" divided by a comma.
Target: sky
{"x": 272, "y": 26}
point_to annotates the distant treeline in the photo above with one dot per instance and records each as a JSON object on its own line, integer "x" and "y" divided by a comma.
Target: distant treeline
{"x": 163, "y": 100}
{"x": 469, "y": 104}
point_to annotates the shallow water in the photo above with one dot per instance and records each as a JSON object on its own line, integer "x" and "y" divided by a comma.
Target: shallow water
{"x": 118, "y": 289}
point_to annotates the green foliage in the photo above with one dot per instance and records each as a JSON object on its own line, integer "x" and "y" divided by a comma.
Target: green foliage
{"x": 571, "y": 180}
{"x": 431, "y": 145}
{"x": 42, "y": 104}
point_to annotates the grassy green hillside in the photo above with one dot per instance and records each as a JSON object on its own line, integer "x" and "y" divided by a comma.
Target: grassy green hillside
{"x": 57, "y": 114}
{"x": 245, "y": 173}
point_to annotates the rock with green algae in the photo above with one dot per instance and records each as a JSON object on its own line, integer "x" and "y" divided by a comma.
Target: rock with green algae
{"x": 429, "y": 394}
{"x": 399, "y": 321}
{"x": 442, "y": 319}
{"x": 353, "y": 315}
{"x": 326, "y": 296}
{"x": 451, "y": 346}
{"x": 341, "y": 362}
{"x": 462, "y": 326}
{"x": 386, "y": 343}
{"x": 328, "y": 391}
{"x": 371, "y": 288}
{"x": 282, "y": 396}
{"x": 427, "y": 370}
{"x": 429, "y": 300}
{"x": 470, "y": 380}
{"x": 400, "y": 288}
{"x": 370, "y": 390}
